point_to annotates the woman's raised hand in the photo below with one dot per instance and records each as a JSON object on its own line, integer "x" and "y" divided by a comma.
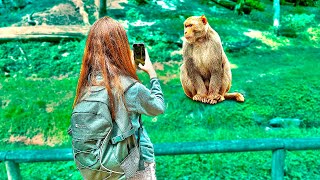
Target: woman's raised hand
{"x": 147, "y": 67}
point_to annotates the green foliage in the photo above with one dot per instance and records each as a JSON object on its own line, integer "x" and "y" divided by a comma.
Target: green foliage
{"x": 253, "y": 4}
{"x": 302, "y": 2}
{"x": 298, "y": 21}
{"x": 256, "y": 4}
{"x": 161, "y": 36}
{"x": 297, "y": 25}
{"x": 91, "y": 9}
{"x": 15, "y": 15}
{"x": 142, "y": 2}
{"x": 299, "y": 10}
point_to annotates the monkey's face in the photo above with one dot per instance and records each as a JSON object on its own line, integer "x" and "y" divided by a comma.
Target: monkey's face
{"x": 195, "y": 27}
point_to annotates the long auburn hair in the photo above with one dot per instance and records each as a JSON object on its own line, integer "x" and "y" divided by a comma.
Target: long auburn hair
{"x": 107, "y": 54}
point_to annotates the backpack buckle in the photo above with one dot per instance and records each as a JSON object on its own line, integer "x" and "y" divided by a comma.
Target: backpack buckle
{"x": 122, "y": 137}
{"x": 117, "y": 139}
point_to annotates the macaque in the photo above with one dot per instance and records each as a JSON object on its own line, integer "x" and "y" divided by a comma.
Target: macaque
{"x": 205, "y": 73}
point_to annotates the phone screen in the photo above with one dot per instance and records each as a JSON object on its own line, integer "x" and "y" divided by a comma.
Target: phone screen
{"x": 139, "y": 53}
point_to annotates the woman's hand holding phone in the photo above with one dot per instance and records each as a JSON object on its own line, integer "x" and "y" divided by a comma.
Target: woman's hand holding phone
{"x": 147, "y": 67}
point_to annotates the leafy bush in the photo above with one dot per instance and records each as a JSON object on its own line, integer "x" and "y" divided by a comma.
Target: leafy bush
{"x": 298, "y": 21}
{"x": 141, "y": 2}
{"x": 302, "y": 2}
{"x": 256, "y": 4}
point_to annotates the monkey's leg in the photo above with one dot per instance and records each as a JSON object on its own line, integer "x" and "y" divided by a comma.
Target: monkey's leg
{"x": 187, "y": 86}
{"x": 226, "y": 78}
{"x": 214, "y": 88}
{"x": 201, "y": 90}
{"x": 225, "y": 87}
{"x": 226, "y": 82}
{"x": 195, "y": 81}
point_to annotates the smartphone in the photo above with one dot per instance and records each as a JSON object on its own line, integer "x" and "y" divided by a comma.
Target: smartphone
{"x": 139, "y": 53}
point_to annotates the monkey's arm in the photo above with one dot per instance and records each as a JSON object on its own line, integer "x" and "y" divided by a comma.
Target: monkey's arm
{"x": 195, "y": 77}
{"x": 216, "y": 76}
{"x": 195, "y": 83}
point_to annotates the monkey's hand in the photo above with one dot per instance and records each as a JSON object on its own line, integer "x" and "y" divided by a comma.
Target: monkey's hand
{"x": 198, "y": 97}
{"x": 213, "y": 99}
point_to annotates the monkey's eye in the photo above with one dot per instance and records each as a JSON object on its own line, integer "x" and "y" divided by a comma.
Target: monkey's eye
{"x": 189, "y": 25}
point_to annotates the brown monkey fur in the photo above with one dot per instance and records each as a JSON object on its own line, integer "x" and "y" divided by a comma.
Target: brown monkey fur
{"x": 205, "y": 73}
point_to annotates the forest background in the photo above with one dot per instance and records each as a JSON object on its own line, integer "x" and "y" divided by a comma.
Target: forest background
{"x": 278, "y": 73}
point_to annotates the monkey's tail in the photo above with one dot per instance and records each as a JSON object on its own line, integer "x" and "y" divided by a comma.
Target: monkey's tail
{"x": 236, "y": 96}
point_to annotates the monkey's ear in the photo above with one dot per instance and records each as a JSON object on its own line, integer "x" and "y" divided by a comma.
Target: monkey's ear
{"x": 204, "y": 20}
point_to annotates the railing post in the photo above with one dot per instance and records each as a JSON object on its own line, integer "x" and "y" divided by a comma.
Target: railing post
{"x": 13, "y": 170}
{"x": 277, "y": 171}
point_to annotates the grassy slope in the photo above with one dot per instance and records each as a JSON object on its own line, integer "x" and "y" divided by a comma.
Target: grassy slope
{"x": 281, "y": 92}
{"x": 277, "y": 82}
{"x": 16, "y": 16}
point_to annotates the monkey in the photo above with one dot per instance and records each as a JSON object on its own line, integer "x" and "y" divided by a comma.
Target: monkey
{"x": 205, "y": 73}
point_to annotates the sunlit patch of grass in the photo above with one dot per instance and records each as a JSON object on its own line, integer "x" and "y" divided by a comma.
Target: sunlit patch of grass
{"x": 38, "y": 139}
{"x": 314, "y": 33}
{"x": 268, "y": 39}
{"x": 233, "y": 66}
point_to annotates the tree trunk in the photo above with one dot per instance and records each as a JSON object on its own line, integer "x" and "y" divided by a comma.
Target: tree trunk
{"x": 239, "y": 7}
{"x": 102, "y": 8}
{"x": 276, "y": 16}
{"x": 43, "y": 33}
{"x": 79, "y": 4}
{"x": 45, "y": 38}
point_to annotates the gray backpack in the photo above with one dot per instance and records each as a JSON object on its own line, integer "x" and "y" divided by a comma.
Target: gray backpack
{"x": 100, "y": 143}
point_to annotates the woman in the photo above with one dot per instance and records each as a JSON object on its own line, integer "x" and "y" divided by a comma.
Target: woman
{"x": 108, "y": 62}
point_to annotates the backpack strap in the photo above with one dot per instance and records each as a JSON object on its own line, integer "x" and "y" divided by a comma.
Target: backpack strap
{"x": 123, "y": 136}
{"x": 129, "y": 133}
{"x": 140, "y": 129}
{"x": 128, "y": 87}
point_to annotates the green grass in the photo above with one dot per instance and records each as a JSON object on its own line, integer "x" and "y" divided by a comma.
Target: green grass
{"x": 278, "y": 84}
{"x": 35, "y": 106}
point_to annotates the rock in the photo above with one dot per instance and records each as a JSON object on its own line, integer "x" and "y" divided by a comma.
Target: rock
{"x": 284, "y": 122}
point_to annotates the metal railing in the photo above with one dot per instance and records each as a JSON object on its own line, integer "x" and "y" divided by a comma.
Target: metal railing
{"x": 277, "y": 146}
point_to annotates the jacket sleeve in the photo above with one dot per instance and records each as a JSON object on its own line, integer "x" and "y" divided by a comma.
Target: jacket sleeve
{"x": 146, "y": 101}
